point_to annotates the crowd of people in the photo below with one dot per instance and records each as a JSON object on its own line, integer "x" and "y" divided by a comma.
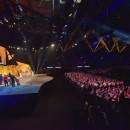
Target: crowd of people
{"x": 9, "y": 80}
{"x": 104, "y": 101}
{"x": 103, "y": 87}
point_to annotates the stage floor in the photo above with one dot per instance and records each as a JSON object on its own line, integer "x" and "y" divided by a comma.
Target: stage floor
{"x": 28, "y": 85}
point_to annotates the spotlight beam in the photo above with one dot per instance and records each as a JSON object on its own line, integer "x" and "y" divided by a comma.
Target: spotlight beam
{"x": 39, "y": 60}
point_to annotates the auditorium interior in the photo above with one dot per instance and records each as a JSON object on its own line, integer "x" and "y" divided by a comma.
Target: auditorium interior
{"x": 64, "y": 64}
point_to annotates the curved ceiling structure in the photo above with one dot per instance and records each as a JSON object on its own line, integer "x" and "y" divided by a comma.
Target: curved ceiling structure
{"x": 66, "y": 23}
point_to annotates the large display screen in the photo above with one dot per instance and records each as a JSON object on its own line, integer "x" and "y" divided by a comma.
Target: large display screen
{"x": 3, "y": 55}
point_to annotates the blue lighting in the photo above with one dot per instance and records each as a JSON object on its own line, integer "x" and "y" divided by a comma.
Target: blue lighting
{"x": 57, "y": 35}
{"x": 96, "y": 42}
{"x": 98, "y": 38}
{"x": 84, "y": 27}
{"x": 107, "y": 36}
{"x": 53, "y": 38}
{"x": 64, "y": 33}
{"x": 63, "y": 28}
{"x": 14, "y": 102}
{"x": 110, "y": 9}
{"x": 58, "y": 1}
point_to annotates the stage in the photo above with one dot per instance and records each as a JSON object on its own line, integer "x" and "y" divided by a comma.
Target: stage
{"x": 29, "y": 85}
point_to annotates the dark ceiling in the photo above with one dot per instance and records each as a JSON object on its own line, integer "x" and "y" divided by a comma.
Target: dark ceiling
{"x": 42, "y": 22}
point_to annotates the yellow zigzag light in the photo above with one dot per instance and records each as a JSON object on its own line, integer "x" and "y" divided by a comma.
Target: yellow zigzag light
{"x": 97, "y": 48}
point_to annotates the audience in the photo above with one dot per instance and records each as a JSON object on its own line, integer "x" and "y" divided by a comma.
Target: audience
{"x": 103, "y": 99}
{"x": 105, "y": 88}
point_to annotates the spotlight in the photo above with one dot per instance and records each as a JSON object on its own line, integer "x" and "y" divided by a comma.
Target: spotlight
{"x": 25, "y": 41}
{"x": 77, "y": 1}
{"x": 18, "y": 48}
{"x": 62, "y": 2}
{"x": 6, "y": 20}
{"x": 85, "y": 36}
{"x": 54, "y": 26}
{"x": 86, "y": 66}
{"x": 79, "y": 66}
{"x": 1, "y": 22}
{"x": 64, "y": 33}
{"x": 49, "y": 67}
{"x": 41, "y": 48}
{"x": 70, "y": 15}
{"x": 58, "y": 67}
{"x": 75, "y": 44}
{"x": 14, "y": 23}
{"x": 52, "y": 45}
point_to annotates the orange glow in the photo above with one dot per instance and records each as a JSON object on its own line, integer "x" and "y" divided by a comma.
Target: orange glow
{"x": 3, "y": 55}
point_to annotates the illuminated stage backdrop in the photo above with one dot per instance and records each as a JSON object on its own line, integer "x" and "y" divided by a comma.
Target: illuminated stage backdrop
{"x": 3, "y": 55}
{"x": 13, "y": 69}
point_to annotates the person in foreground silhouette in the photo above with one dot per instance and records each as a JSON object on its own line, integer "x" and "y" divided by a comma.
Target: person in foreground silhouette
{"x": 13, "y": 80}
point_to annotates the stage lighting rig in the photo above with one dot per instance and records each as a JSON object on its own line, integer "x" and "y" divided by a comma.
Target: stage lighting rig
{"x": 17, "y": 16}
{"x": 100, "y": 43}
{"x": 19, "y": 5}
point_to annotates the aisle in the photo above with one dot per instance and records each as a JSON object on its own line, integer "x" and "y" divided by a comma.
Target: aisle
{"x": 57, "y": 109}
